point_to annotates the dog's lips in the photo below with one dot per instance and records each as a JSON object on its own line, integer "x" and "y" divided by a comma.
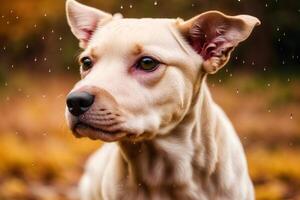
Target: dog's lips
{"x": 86, "y": 130}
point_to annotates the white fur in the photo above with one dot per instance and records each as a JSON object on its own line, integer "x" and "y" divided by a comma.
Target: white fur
{"x": 184, "y": 147}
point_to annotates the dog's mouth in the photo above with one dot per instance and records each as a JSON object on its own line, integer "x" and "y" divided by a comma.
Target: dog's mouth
{"x": 81, "y": 129}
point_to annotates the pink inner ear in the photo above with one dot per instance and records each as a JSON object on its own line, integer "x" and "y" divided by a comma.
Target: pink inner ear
{"x": 86, "y": 34}
{"x": 84, "y": 24}
{"x": 212, "y": 43}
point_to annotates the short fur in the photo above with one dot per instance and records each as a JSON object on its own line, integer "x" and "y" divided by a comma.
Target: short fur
{"x": 169, "y": 139}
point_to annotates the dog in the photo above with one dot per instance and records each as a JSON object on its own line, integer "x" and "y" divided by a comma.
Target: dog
{"x": 143, "y": 91}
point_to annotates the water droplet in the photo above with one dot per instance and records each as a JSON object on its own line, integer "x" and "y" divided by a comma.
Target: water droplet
{"x": 291, "y": 116}
{"x": 130, "y": 6}
{"x": 220, "y": 80}
{"x": 269, "y": 110}
{"x": 35, "y": 59}
{"x": 45, "y": 15}
{"x": 121, "y": 7}
{"x": 288, "y": 80}
{"x": 266, "y": 5}
{"x": 49, "y": 70}
{"x": 59, "y": 96}
{"x": 60, "y": 38}
{"x": 278, "y": 29}
{"x": 27, "y": 46}
{"x": 237, "y": 91}
{"x": 5, "y": 84}
{"x": 155, "y": 3}
{"x": 269, "y": 84}
{"x": 34, "y": 25}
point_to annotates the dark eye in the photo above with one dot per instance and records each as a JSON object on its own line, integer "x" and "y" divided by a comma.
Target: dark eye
{"x": 147, "y": 64}
{"x": 86, "y": 63}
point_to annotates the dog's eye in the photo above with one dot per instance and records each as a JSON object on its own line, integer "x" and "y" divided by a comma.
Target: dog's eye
{"x": 86, "y": 63}
{"x": 147, "y": 64}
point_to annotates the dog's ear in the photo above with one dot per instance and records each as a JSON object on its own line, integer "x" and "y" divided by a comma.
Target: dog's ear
{"x": 214, "y": 35}
{"x": 84, "y": 20}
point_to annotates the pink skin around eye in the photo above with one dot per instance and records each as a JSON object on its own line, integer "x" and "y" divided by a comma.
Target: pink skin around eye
{"x": 150, "y": 77}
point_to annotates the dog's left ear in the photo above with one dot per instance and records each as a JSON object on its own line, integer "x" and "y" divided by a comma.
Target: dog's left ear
{"x": 84, "y": 20}
{"x": 214, "y": 35}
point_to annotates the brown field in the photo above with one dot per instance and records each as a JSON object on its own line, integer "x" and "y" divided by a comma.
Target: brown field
{"x": 40, "y": 159}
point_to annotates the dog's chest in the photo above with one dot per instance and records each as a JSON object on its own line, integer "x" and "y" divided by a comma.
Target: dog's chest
{"x": 155, "y": 175}
{"x": 188, "y": 191}
{"x": 142, "y": 192}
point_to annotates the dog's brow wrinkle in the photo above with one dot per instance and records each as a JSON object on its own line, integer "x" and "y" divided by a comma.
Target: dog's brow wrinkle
{"x": 95, "y": 52}
{"x": 137, "y": 49}
{"x": 176, "y": 36}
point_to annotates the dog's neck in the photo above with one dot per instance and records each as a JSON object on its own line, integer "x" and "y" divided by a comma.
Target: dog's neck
{"x": 169, "y": 161}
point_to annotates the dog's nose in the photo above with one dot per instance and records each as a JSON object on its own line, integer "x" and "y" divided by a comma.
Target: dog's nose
{"x": 79, "y": 102}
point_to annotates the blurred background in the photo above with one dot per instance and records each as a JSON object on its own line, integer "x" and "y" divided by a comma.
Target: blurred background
{"x": 259, "y": 89}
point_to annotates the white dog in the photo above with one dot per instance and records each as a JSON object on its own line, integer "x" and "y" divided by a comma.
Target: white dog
{"x": 143, "y": 89}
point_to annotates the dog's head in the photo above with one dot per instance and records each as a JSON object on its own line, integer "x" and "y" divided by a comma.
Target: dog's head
{"x": 140, "y": 76}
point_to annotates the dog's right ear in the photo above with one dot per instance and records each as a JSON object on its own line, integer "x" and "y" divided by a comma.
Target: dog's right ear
{"x": 84, "y": 20}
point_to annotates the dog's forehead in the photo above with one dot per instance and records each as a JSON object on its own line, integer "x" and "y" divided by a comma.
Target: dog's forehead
{"x": 145, "y": 31}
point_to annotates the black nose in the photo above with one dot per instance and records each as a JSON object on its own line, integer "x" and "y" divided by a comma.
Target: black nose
{"x": 79, "y": 102}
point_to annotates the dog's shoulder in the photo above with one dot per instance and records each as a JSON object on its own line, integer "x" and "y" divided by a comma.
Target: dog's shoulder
{"x": 91, "y": 182}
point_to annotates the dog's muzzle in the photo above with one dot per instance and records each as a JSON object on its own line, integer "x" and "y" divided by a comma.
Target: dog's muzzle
{"x": 94, "y": 113}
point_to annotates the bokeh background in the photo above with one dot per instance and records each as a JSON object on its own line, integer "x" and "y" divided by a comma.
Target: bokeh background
{"x": 259, "y": 90}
